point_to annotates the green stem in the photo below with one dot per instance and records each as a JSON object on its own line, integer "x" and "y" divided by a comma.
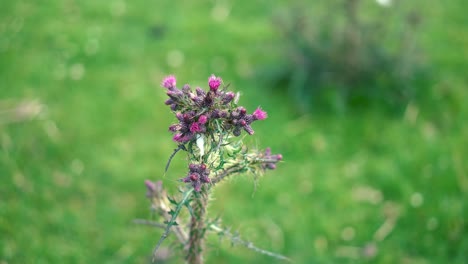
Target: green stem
{"x": 197, "y": 227}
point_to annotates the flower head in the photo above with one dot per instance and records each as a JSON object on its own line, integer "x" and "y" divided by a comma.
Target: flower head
{"x": 169, "y": 82}
{"x": 154, "y": 189}
{"x": 150, "y": 185}
{"x": 183, "y": 137}
{"x": 195, "y": 127}
{"x": 202, "y": 119}
{"x": 259, "y": 114}
{"x": 214, "y": 82}
{"x": 195, "y": 109}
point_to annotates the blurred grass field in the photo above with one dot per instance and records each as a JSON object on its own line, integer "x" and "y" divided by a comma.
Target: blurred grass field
{"x": 83, "y": 124}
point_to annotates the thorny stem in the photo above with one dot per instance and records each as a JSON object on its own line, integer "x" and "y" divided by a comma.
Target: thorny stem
{"x": 197, "y": 227}
{"x": 237, "y": 240}
{"x": 174, "y": 214}
{"x": 180, "y": 147}
{"x": 180, "y": 234}
{"x": 237, "y": 168}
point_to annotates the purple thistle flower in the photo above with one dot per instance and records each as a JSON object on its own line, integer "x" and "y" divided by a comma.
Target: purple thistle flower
{"x": 214, "y": 82}
{"x": 150, "y": 186}
{"x": 169, "y": 82}
{"x": 195, "y": 127}
{"x": 174, "y": 127}
{"x": 153, "y": 189}
{"x": 259, "y": 114}
{"x": 202, "y": 119}
{"x": 182, "y": 137}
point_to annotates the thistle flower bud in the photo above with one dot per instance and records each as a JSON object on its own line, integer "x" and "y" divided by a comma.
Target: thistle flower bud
{"x": 174, "y": 127}
{"x": 195, "y": 127}
{"x": 175, "y": 95}
{"x": 186, "y": 179}
{"x": 223, "y": 114}
{"x": 198, "y": 174}
{"x": 194, "y": 176}
{"x": 214, "y": 82}
{"x": 197, "y": 186}
{"x": 193, "y": 167}
{"x": 249, "y": 129}
{"x": 209, "y": 99}
{"x": 227, "y": 98}
{"x": 242, "y": 110}
{"x": 237, "y": 131}
{"x": 186, "y": 89}
{"x": 178, "y": 137}
{"x": 205, "y": 179}
{"x": 180, "y": 116}
{"x": 169, "y": 82}
{"x": 235, "y": 114}
{"x": 249, "y": 119}
{"x": 189, "y": 116}
{"x": 197, "y": 99}
{"x": 202, "y": 119}
{"x": 182, "y": 137}
{"x": 200, "y": 91}
{"x": 150, "y": 186}
{"x": 259, "y": 114}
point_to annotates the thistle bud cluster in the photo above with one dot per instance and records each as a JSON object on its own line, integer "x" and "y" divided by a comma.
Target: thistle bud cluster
{"x": 198, "y": 111}
{"x": 197, "y": 175}
{"x": 270, "y": 159}
{"x": 210, "y": 119}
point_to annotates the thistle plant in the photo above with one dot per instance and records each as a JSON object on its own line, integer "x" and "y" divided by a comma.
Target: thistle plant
{"x": 210, "y": 127}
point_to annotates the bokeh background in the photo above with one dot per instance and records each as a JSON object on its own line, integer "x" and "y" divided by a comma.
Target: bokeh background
{"x": 373, "y": 129}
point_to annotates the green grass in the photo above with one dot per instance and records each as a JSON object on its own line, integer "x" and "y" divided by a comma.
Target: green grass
{"x": 72, "y": 177}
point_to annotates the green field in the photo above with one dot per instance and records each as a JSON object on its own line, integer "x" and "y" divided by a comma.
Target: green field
{"x": 83, "y": 124}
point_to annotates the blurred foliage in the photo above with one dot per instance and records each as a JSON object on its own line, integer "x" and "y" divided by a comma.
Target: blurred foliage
{"x": 343, "y": 54}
